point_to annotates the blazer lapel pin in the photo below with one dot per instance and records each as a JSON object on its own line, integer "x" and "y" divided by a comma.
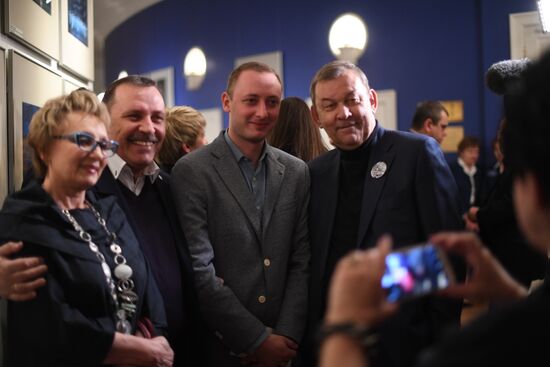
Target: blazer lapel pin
{"x": 378, "y": 170}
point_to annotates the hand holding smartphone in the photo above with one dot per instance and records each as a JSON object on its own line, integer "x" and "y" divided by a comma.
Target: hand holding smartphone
{"x": 415, "y": 271}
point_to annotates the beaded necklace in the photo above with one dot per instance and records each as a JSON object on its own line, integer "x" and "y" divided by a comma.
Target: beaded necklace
{"x": 122, "y": 292}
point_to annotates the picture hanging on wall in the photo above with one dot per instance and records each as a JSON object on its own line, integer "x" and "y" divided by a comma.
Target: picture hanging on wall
{"x": 31, "y": 85}
{"x": 77, "y": 34}
{"x": 78, "y": 20}
{"x": 35, "y": 23}
{"x": 69, "y": 86}
{"x": 46, "y": 5}
{"x": 214, "y": 122}
{"x": 527, "y": 38}
{"x": 165, "y": 83}
{"x": 273, "y": 59}
{"x": 3, "y": 129}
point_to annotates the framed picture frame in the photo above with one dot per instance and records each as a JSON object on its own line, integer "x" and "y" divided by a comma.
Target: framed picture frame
{"x": 31, "y": 85}
{"x": 4, "y": 180}
{"x": 35, "y": 23}
{"x": 273, "y": 59}
{"x": 77, "y": 37}
{"x": 527, "y": 39}
{"x": 165, "y": 82}
{"x": 69, "y": 86}
{"x": 214, "y": 122}
{"x": 386, "y": 113}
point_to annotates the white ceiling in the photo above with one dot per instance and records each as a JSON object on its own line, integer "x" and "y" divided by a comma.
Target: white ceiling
{"x": 108, "y": 14}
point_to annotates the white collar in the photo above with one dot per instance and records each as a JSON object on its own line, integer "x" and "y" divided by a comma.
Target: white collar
{"x": 470, "y": 171}
{"x": 117, "y": 165}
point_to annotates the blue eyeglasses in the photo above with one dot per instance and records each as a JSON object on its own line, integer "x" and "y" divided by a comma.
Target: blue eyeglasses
{"x": 88, "y": 143}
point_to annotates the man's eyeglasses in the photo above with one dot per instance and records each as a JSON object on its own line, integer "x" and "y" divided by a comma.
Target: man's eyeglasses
{"x": 87, "y": 142}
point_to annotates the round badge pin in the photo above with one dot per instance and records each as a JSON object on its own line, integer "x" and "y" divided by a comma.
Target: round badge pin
{"x": 378, "y": 170}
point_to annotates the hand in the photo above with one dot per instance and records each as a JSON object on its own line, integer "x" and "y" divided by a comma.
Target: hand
{"x": 472, "y": 213}
{"x": 470, "y": 225}
{"x": 356, "y": 295}
{"x": 162, "y": 354}
{"x": 19, "y": 278}
{"x": 488, "y": 280}
{"x": 276, "y": 350}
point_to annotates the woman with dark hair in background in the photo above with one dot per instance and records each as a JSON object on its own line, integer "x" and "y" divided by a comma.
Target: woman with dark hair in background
{"x": 295, "y": 131}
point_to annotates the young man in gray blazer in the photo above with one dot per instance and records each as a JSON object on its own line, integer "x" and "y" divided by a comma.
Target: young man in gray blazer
{"x": 242, "y": 205}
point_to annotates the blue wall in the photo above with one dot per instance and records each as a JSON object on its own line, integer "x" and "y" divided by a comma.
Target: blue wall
{"x": 424, "y": 49}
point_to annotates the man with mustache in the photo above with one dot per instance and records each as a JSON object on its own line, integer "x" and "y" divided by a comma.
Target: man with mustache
{"x": 376, "y": 182}
{"x": 137, "y": 123}
{"x": 243, "y": 208}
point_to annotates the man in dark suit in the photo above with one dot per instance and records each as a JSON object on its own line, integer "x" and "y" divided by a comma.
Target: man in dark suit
{"x": 137, "y": 123}
{"x": 243, "y": 208}
{"x": 376, "y": 182}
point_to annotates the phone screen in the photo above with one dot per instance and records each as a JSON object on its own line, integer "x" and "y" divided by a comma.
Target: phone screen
{"x": 415, "y": 271}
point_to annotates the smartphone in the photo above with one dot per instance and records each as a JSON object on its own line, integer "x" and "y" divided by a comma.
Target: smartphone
{"x": 416, "y": 271}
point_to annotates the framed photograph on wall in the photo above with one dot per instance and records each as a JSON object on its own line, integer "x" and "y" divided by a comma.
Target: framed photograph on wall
{"x": 386, "y": 113}
{"x": 3, "y": 129}
{"x": 69, "y": 86}
{"x": 273, "y": 59}
{"x": 527, "y": 40}
{"x": 214, "y": 122}
{"x": 165, "y": 82}
{"x": 34, "y": 22}
{"x": 77, "y": 37}
{"x": 31, "y": 85}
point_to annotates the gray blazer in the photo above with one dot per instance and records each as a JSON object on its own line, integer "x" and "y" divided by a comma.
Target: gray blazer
{"x": 247, "y": 280}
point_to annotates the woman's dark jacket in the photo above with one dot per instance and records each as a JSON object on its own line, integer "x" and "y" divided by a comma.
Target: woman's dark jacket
{"x": 71, "y": 322}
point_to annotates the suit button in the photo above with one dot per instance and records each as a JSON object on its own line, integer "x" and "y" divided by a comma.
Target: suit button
{"x": 267, "y": 262}
{"x": 261, "y": 299}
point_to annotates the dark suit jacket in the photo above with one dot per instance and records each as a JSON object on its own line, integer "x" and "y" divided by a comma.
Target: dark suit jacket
{"x": 499, "y": 231}
{"x": 465, "y": 187}
{"x": 107, "y": 185}
{"x": 414, "y": 198}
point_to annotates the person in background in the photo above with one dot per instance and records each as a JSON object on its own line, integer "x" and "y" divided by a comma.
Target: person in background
{"x": 20, "y": 278}
{"x": 375, "y": 182}
{"x": 497, "y": 224}
{"x": 431, "y": 118}
{"x": 144, "y": 194}
{"x": 516, "y": 335}
{"x": 243, "y": 207}
{"x": 295, "y": 131}
{"x": 466, "y": 173}
{"x": 100, "y": 298}
{"x": 184, "y": 133}
{"x": 493, "y": 173}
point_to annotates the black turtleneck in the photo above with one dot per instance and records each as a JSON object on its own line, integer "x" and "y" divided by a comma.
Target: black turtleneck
{"x": 353, "y": 168}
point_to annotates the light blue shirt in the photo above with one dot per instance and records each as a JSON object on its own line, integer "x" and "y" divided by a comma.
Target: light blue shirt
{"x": 255, "y": 177}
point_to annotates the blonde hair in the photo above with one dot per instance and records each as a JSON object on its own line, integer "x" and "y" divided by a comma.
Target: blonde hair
{"x": 48, "y": 120}
{"x": 184, "y": 125}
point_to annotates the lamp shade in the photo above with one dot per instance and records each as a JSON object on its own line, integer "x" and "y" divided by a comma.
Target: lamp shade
{"x": 194, "y": 68}
{"x": 348, "y": 37}
{"x": 544, "y": 12}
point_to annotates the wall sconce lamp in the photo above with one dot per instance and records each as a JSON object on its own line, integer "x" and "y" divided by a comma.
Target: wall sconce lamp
{"x": 194, "y": 68}
{"x": 544, "y": 12}
{"x": 348, "y": 37}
